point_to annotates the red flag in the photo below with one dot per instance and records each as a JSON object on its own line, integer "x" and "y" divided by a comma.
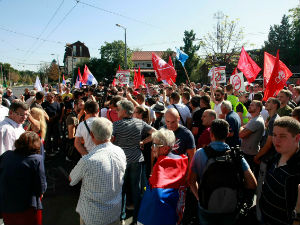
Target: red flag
{"x": 235, "y": 71}
{"x": 276, "y": 82}
{"x": 79, "y": 75}
{"x": 249, "y": 68}
{"x": 175, "y": 75}
{"x": 141, "y": 79}
{"x": 114, "y": 82}
{"x": 119, "y": 67}
{"x": 163, "y": 70}
{"x": 85, "y": 74}
{"x": 135, "y": 79}
{"x": 269, "y": 61}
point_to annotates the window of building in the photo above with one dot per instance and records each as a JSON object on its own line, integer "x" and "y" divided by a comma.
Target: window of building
{"x": 149, "y": 65}
{"x": 74, "y": 50}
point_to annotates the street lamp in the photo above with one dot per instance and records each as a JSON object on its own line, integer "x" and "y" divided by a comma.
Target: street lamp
{"x": 58, "y": 68}
{"x": 118, "y": 25}
{"x": 67, "y": 46}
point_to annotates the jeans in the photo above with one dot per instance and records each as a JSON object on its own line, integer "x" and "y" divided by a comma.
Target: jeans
{"x": 133, "y": 180}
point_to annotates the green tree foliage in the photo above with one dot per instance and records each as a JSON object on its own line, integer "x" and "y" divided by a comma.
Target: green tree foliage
{"x": 112, "y": 55}
{"x": 53, "y": 72}
{"x": 190, "y": 48}
{"x": 280, "y": 37}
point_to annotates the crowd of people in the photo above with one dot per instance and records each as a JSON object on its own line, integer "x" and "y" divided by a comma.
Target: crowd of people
{"x": 186, "y": 154}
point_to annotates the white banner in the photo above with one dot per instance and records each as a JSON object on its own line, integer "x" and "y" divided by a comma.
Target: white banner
{"x": 218, "y": 75}
{"x": 122, "y": 77}
{"x": 237, "y": 81}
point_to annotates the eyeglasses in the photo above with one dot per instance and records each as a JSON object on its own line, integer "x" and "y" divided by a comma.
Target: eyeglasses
{"x": 156, "y": 145}
{"x": 22, "y": 115}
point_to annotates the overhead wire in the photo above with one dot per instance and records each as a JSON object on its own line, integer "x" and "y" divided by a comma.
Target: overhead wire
{"x": 55, "y": 28}
{"x": 45, "y": 28}
{"x": 115, "y": 13}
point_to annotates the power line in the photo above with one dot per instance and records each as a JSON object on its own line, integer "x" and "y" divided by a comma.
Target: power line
{"x": 29, "y": 36}
{"x": 52, "y": 17}
{"x": 116, "y": 13}
{"x": 53, "y": 30}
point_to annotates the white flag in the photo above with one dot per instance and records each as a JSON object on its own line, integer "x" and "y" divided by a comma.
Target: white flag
{"x": 38, "y": 84}
{"x": 237, "y": 81}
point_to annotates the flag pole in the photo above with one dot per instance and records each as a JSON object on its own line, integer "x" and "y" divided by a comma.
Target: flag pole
{"x": 186, "y": 74}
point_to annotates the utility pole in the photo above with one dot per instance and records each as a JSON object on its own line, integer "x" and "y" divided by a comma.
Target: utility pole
{"x": 219, "y": 16}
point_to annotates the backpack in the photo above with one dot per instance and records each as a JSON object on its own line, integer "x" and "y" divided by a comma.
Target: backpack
{"x": 220, "y": 189}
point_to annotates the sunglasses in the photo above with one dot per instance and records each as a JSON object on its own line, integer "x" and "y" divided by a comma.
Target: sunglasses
{"x": 156, "y": 145}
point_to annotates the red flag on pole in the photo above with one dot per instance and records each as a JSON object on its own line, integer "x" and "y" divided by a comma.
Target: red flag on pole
{"x": 277, "y": 80}
{"x": 85, "y": 74}
{"x": 174, "y": 75}
{"x": 163, "y": 70}
{"x": 119, "y": 67}
{"x": 114, "y": 82}
{"x": 249, "y": 68}
{"x": 135, "y": 79}
{"x": 79, "y": 75}
{"x": 269, "y": 61}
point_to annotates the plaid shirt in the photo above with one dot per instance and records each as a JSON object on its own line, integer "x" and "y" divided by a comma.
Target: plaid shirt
{"x": 102, "y": 173}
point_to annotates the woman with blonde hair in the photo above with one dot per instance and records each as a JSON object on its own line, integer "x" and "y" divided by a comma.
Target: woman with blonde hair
{"x": 38, "y": 125}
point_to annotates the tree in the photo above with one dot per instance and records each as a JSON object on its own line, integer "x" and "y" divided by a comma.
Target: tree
{"x": 190, "y": 48}
{"x": 280, "y": 37}
{"x": 295, "y": 52}
{"x": 224, "y": 43}
{"x": 14, "y": 76}
{"x": 53, "y": 72}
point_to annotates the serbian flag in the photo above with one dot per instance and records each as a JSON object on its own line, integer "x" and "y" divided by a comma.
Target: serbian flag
{"x": 163, "y": 70}
{"x": 249, "y": 68}
{"x": 63, "y": 79}
{"x": 269, "y": 61}
{"x": 87, "y": 77}
{"x": 78, "y": 83}
{"x": 163, "y": 200}
{"x": 276, "y": 82}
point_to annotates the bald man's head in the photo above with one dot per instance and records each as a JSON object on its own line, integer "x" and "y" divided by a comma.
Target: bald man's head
{"x": 172, "y": 119}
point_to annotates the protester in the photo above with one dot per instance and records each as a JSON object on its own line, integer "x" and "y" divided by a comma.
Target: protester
{"x": 280, "y": 188}
{"x": 83, "y": 140}
{"x": 11, "y": 127}
{"x": 165, "y": 192}
{"x": 102, "y": 174}
{"x": 22, "y": 182}
{"x": 208, "y": 117}
{"x": 219, "y": 131}
{"x": 127, "y": 133}
{"x": 9, "y": 95}
{"x": 284, "y": 110}
{"x": 217, "y": 97}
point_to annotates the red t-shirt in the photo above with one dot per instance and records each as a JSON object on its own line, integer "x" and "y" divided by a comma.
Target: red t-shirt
{"x": 204, "y": 138}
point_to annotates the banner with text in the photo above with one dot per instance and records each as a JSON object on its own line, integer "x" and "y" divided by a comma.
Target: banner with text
{"x": 237, "y": 81}
{"x": 122, "y": 77}
{"x": 218, "y": 75}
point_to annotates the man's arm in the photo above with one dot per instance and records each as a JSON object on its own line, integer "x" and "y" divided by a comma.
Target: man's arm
{"x": 250, "y": 180}
{"x": 244, "y": 132}
{"x": 79, "y": 146}
{"x": 189, "y": 122}
{"x": 193, "y": 184}
{"x": 263, "y": 150}
{"x": 190, "y": 152}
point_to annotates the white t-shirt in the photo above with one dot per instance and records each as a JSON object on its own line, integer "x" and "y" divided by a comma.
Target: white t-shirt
{"x": 83, "y": 132}
{"x": 3, "y": 112}
{"x": 218, "y": 110}
{"x": 183, "y": 110}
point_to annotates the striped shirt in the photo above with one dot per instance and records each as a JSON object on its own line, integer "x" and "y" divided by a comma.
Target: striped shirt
{"x": 128, "y": 133}
{"x": 279, "y": 192}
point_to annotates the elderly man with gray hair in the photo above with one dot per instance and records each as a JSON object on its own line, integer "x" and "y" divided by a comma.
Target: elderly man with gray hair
{"x": 234, "y": 124}
{"x": 127, "y": 133}
{"x": 102, "y": 173}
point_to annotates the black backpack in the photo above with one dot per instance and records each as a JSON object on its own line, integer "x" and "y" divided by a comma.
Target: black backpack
{"x": 221, "y": 186}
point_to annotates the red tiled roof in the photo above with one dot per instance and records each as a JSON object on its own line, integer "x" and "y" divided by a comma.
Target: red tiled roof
{"x": 145, "y": 55}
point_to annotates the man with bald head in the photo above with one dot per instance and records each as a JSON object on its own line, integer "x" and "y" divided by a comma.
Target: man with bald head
{"x": 185, "y": 144}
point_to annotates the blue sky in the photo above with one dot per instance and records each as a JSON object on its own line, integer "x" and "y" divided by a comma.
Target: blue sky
{"x": 151, "y": 25}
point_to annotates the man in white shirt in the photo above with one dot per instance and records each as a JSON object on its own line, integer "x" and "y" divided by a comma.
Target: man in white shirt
{"x": 102, "y": 174}
{"x": 183, "y": 110}
{"x": 83, "y": 130}
{"x": 11, "y": 127}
